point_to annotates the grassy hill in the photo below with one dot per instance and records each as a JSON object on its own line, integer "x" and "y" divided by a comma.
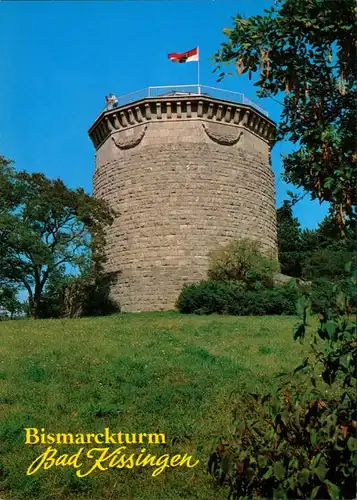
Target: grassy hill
{"x": 155, "y": 372}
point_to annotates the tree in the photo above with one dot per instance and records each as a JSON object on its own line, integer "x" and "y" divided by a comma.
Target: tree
{"x": 45, "y": 226}
{"x": 289, "y": 240}
{"x": 300, "y": 442}
{"x": 313, "y": 253}
{"x": 326, "y": 236}
{"x": 9, "y": 304}
{"x": 307, "y": 49}
{"x": 50, "y": 304}
{"x": 89, "y": 294}
{"x": 324, "y": 253}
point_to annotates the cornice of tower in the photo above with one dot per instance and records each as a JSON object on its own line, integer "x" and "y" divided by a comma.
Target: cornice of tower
{"x": 188, "y": 107}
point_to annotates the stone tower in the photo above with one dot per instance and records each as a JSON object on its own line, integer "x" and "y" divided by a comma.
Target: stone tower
{"x": 185, "y": 173}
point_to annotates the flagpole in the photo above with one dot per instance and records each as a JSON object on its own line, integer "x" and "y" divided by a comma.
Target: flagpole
{"x": 198, "y": 69}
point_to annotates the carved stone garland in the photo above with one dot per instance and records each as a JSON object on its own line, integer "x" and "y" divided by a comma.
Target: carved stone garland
{"x": 130, "y": 143}
{"x": 222, "y": 139}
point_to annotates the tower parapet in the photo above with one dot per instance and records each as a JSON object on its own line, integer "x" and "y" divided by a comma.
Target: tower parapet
{"x": 185, "y": 172}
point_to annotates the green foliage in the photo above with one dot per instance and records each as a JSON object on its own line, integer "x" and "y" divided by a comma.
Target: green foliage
{"x": 328, "y": 263}
{"x": 273, "y": 301}
{"x": 241, "y": 260}
{"x": 321, "y": 295}
{"x": 229, "y": 297}
{"x": 86, "y": 294}
{"x": 323, "y": 262}
{"x": 300, "y": 442}
{"x": 44, "y": 226}
{"x": 89, "y": 295}
{"x": 307, "y": 49}
{"x": 328, "y": 236}
{"x": 313, "y": 254}
{"x": 289, "y": 240}
{"x": 9, "y": 304}
{"x": 50, "y": 304}
{"x": 241, "y": 283}
{"x": 208, "y": 297}
{"x": 288, "y": 446}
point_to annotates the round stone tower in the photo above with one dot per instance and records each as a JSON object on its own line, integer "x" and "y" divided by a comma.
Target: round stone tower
{"x": 185, "y": 173}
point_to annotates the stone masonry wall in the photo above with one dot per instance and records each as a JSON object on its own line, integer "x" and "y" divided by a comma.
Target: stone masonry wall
{"x": 180, "y": 188}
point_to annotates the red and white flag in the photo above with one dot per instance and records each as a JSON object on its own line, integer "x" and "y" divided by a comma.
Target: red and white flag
{"x": 189, "y": 56}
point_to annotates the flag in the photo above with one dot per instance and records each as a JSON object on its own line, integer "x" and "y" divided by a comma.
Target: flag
{"x": 189, "y": 56}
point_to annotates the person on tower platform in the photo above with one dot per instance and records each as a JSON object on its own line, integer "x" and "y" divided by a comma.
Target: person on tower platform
{"x": 113, "y": 101}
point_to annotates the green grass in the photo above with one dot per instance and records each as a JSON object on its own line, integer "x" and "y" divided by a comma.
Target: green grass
{"x": 155, "y": 372}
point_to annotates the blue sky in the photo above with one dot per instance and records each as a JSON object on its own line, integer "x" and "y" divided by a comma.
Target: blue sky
{"x": 60, "y": 58}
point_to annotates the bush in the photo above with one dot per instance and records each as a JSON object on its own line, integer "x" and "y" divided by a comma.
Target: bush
{"x": 275, "y": 301}
{"x": 241, "y": 260}
{"x": 89, "y": 296}
{"x": 230, "y": 297}
{"x": 208, "y": 297}
{"x": 288, "y": 445}
{"x": 300, "y": 440}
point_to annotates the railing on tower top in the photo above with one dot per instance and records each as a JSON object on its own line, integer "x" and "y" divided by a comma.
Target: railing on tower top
{"x": 153, "y": 92}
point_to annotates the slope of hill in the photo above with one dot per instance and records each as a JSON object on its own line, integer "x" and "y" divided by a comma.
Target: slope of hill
{"x": 136, "y": 373}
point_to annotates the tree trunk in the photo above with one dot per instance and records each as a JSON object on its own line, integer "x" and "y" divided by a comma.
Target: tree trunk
{"x": 34, "y": 301}
{"x": 33, "y": 308}
{"x": 340, "y": 220}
